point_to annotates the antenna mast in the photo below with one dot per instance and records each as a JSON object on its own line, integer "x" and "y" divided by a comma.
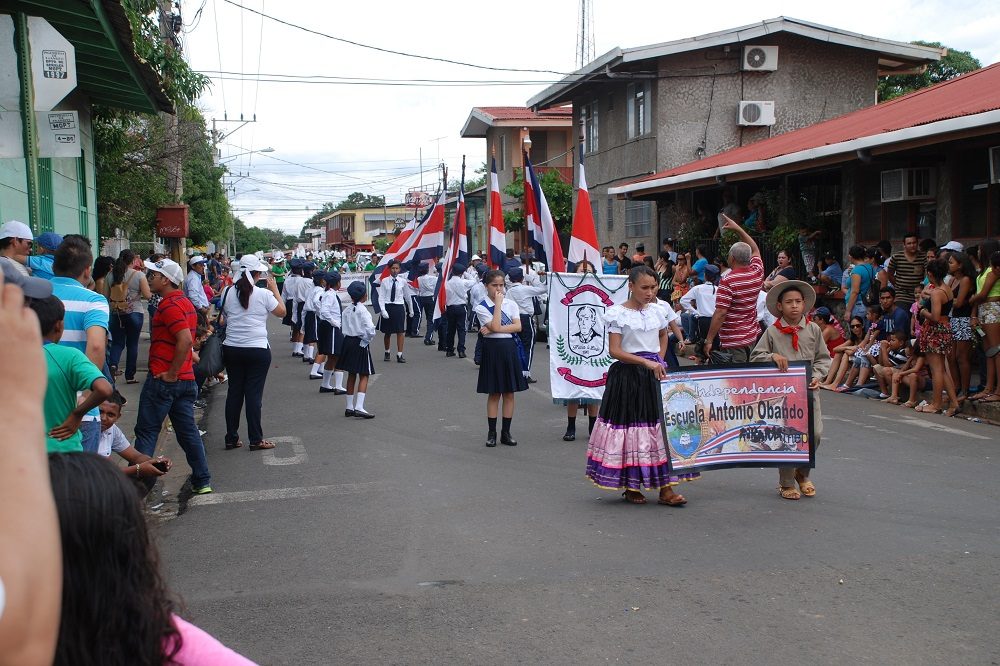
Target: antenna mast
{"x": 585, "y": 38}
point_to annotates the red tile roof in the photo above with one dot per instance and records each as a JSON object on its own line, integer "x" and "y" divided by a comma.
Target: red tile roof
{"x": 524, "y": 113}
{"x": 966, "y": 95}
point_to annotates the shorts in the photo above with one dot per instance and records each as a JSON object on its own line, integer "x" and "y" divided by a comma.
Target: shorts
{"x": 989, "y": 313}
{"x": 961, "y": 329}
{"x": 937, "y": 339}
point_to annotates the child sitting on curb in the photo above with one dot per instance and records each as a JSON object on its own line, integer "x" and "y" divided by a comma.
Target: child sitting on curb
{"x": 141, "y": 466}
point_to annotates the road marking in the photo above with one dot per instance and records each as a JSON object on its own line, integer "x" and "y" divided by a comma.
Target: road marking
{"x": 860, "y": 424}
{"x": 287, "y": 493}
{"x": 931, "y": 425}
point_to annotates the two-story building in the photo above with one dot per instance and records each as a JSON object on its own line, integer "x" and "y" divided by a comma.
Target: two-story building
{"x": 354, "y": 230}
{"x": 505, "y": 128}
{"x": 650, "y": 108}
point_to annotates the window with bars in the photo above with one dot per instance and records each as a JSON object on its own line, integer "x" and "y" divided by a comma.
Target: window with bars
{"x": 611, "y": 213}
{"x": 590, "y": 129}
{"x": 638, "y": 97}
{"x": 638, "y": 218}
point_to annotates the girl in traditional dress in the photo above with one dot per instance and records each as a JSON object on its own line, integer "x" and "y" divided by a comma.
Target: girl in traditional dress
{"x": 501, "y": 370}
{"x": 626, "y": 450}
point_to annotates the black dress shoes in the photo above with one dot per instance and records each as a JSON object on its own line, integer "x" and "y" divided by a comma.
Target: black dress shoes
{"x": 349, "y": 412}
{"x": 491, "y": 439}
{"x": 450, "y": 354}
{"x": 461, "y": 354}
{"x": 570, "y": 435}
{"x": 505, "y": 438}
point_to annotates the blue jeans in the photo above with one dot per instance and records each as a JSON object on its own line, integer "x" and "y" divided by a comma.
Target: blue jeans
{"x": 125, "y": 330}
{"x": 159, "y": 400}
{"x": 91, "y": 432}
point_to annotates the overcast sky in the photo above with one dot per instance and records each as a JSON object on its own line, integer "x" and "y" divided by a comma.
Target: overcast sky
{"x": 336, "y": 138}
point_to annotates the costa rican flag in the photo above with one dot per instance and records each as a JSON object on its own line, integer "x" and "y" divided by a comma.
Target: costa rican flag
{"x": 417, "y": 239}
{"x": 544, "y": 237}
{"x": 583, "y": 241}
{"x": 498, "y": 238}
{"x": 458, "y": 252}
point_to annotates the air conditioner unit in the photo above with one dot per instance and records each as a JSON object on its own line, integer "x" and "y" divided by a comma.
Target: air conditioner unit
{"x": 756, "y": 113}
{"x": 995, "y": 164}
{"x": 908, "y": 184}
{"x": 760, "y": 58}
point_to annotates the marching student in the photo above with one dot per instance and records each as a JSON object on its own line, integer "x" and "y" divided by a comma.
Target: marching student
{"x": 355, "y": 358}
{"x": 626, "y": 450}
{"x": 793, "y": 337}
{"x": 457, "y": 293}
{"x": 394, "y": 300}
{"x": 330, "y": 336}
{"x": 525, "y": 297}
{"x": 501, "y": 371}
{"x": 476, "y": 294}
{"x": 309, "y": 329}
{"x": 293, "y": 284}
{"x": 426, "y": 284}
{"x": 572, "y": 405}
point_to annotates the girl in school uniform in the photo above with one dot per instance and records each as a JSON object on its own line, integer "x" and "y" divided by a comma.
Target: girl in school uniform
{"x": 288, "y": 291}
{"x": 501, "y": 373}
{"x": 310, "y": 321}
{"x": 331, "y": 337}
{"x": 393, "y": 298}
{"x": 626, "y": 450}
{"x": 355, "y": 358}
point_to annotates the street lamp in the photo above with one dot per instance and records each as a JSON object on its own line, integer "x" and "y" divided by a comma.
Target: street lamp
{"x": 231, "y": 157}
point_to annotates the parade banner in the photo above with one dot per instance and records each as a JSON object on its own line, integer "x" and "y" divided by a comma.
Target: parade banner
{"x": 738, "y": 416}
{"x": 579, "y": 356}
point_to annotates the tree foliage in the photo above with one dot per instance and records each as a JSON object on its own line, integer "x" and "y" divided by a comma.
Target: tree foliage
{"x": 950, "y": 66}
{"x": 558, "y": 193}
{"x": 473, "y": 183}
{"x": 252, "y": 239}
{"x": 360, "y": 200}
{"x": 130, "y": 158}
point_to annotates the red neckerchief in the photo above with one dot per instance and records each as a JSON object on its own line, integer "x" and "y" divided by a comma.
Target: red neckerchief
{"x": 791, "y": 330}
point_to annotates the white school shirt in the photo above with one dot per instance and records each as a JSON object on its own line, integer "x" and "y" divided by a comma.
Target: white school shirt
{"x": 330, "y": 308}
{"x": 426, "y": 284}
{"x": 640, "y": 329}
{"x": 248, "y": 327}
{"x": 700, "y": 300}
{"x": 356, "y": 321}
{"x": 764, "y": 316}
{"x": 313, "y": 297}
{"x": 478, "y": 292}
{"x": 385, "y": 289}
{"x": 112, "y": 439}
{"x": 457, "y": 289}
{"x": 300, "y": 288}
{"x": 507, "y": 307}
{"x": 524, "y": 296}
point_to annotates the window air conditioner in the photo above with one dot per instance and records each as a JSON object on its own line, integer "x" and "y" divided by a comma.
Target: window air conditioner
{"x": 756, "y": 114}
{"x": 907, "y": 184}
{"x": 760, "y": 58}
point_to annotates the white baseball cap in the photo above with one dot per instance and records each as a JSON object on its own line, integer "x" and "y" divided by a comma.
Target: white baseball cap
{"x": 954, "y": 246}
{"x": 197, "y": 259}
{"x": 167, "y": 267}
{"x": 253, "y": 264}
{"x": 476, "y": 257}
{"x": 15, "y": 229}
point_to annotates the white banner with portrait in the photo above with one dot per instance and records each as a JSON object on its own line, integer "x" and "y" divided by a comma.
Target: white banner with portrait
{"x": 579, "y": 356}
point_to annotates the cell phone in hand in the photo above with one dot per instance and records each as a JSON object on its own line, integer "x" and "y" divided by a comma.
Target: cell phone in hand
{"x": 161, "y": 465}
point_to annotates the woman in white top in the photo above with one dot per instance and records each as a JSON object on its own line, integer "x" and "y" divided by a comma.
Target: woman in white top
{"x": 246, "y": 351}
{"x": 626, "y": 450}
{"x": 501, "y": 370}
{"x": 127, "y": 286}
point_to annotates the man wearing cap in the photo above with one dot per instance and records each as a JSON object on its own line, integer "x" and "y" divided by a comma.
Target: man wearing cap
{"x": 170, "y": 388}
{"x": 15, "y": 244}
{"x": 953, "y": 246}
{"x": 194, "y": 283}
{"x": 40, "y": 264}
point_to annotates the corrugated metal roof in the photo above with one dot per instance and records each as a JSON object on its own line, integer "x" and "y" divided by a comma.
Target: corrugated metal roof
{"x": 969, "y": 94}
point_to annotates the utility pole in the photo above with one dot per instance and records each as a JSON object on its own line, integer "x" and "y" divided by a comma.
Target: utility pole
{"x": 175, "y": 171}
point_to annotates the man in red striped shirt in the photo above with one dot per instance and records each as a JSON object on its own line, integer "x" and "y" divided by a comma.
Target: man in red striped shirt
{"x": 735, "y": 318}
{"x": 170, "y": 388}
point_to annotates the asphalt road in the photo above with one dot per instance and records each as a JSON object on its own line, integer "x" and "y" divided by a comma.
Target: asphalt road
{"x": 404, "y": 540}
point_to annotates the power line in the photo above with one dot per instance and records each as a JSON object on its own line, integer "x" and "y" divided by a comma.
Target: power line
{"x": 391, "y": 51}
{"x": 403, "y": 83}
